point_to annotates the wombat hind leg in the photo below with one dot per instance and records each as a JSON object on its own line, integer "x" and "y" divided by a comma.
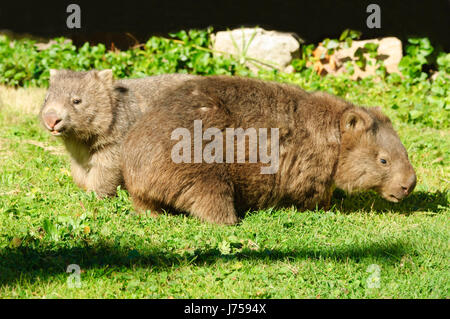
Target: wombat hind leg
{"x": 142, "y": 206}
{"x": 215, "y": 209}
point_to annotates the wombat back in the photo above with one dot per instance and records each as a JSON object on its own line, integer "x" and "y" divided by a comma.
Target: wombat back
{"x": 150, "y": 89}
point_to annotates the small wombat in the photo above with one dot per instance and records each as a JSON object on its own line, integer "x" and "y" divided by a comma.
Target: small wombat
{"x": 92, "y": 113}
{"x": 323, "y": 141}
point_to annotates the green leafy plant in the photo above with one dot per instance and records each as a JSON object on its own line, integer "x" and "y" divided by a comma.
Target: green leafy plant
{"x": 443, "y": 62}
{"x": 418, "y": 53}
{"x": 22, "y": 64}
{"x": 348, "y": 36}
{"x": 345, "y": 41}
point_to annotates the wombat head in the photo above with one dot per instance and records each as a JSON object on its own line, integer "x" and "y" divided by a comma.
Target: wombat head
{"x": 372, "y": 156}
{"x": 78, "y": 103}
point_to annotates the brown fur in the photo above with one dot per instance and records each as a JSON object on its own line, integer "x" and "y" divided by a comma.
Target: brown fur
{"x": 92, "y": 131}
{"x": 324, "y": 142}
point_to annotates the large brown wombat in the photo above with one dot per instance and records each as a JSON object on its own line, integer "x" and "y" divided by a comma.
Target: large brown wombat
{"x": 92, "y": 113}
{"x": 322, "y": 142}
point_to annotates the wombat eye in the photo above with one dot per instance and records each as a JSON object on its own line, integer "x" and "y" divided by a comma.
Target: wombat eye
{"x": 383, "y": 161}
{"x": 76, "y": 101}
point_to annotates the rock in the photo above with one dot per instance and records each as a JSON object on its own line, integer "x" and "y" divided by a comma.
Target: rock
{"x": 274, "y": 49}
{"x": 389, "y": 51}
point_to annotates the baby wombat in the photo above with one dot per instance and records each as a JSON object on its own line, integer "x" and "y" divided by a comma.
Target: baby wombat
{"x": 92, "y": 113}
{"x": 319, "y": 141}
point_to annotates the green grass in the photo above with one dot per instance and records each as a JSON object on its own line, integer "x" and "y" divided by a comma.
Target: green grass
{"x": 47, "y": 223}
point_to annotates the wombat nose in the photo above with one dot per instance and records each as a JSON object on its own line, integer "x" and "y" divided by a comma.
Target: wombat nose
{"x": 51, "y": 119}
{"x": 408, "y": 187}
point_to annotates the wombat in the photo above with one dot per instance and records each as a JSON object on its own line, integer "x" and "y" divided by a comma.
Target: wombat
{"x": 323, "y": 141}
{"x": 91, "y": 113}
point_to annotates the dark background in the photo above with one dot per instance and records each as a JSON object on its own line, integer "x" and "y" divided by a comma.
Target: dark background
{"x": 125, "y": 22}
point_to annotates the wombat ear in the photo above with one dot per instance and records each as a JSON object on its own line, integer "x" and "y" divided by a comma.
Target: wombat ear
{"x": 356, "y": 120}
{"x": 378, "y": 108}
{"x": 106, "y": 76}
{"x": 53, "y": 73}
{"x": 377, "y": 112}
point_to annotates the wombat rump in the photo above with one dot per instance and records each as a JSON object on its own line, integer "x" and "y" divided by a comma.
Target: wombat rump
{"x": 320, "y": 142}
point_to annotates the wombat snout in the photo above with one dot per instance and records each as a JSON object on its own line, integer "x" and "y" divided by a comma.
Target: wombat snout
{"x": 403, "y": 189}
{"x": 409, "y": 184}
{"x": 53, "y": 121}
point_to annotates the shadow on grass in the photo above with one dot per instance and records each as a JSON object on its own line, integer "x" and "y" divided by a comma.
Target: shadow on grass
{"x": 370, "y": 201}
{"x": 28, "y": 264}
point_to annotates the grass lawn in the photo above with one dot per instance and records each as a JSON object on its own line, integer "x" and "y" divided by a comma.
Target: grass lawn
{"x": 364, "y": 247}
